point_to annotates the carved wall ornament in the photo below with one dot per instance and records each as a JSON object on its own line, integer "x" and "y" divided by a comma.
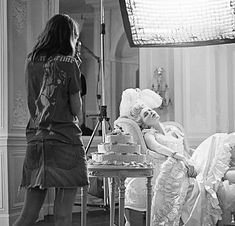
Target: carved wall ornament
{"x": 19, "y": 13}
{"x": 20, "y": 113}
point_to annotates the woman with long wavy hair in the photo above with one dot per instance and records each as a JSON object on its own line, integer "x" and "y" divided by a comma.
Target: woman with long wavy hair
{"x": 55, "y": 156}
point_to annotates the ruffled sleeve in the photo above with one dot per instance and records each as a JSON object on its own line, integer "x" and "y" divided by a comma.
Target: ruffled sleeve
{"x": 219, "y": 166}
{"x": 211, "y": 159}
{"x": 151, "y": 131}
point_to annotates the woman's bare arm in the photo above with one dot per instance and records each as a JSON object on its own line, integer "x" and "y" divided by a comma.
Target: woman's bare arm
{"x": 76, "y": 106}
{"x": 153, "y": 145}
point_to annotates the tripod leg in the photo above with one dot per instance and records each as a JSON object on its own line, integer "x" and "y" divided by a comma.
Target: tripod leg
{"x": 105, "y": 180}
{"x": 92, "y": 136}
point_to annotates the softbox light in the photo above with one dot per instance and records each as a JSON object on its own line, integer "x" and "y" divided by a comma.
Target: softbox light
{"x": 178, "y": 23}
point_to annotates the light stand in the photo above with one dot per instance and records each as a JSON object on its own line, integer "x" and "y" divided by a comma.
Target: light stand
{"x": 103, "y": 108}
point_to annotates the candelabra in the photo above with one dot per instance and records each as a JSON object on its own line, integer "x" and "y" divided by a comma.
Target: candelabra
{"x": 160, "y": 86}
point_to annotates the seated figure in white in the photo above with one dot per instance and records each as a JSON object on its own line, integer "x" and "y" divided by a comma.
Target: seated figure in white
{"x": 188, "y": 190}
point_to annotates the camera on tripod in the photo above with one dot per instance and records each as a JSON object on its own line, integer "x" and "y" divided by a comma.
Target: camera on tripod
{"x": 102, "y": 118}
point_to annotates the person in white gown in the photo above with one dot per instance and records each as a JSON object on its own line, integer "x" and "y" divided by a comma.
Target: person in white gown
{"x": 186, "y": 187}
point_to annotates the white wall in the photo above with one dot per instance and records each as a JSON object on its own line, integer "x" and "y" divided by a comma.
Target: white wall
{"x": 202, "y": 81}
{"x": 3, "y": 114}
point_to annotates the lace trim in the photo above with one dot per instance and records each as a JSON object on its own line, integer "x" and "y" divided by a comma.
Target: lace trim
{"x": 151, "y": 131}
{"x": 170, "y": 191}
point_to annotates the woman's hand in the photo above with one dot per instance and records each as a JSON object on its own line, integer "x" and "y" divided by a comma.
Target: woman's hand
{"x": 191, "y": 171}
{"x": 78, "y": 121}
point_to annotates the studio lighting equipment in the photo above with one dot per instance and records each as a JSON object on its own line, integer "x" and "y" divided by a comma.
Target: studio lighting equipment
{"x": 178, "y": 23}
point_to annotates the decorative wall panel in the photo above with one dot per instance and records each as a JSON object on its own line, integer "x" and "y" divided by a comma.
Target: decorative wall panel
{"x": 197, "y": 87}
{"x": 232, "y": 102}
{"x": 3, "y": 68}
{"x": 20, "y": 113}
{"x": 19, "y": 13}
{"x": 15, "y": 164}
{"x": 223, "y": 81}
{"x": 1, "y": 180}
{"x": 3, "y": 113}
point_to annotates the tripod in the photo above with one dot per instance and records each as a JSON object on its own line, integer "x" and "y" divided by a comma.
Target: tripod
{"x": 102, "y": 117}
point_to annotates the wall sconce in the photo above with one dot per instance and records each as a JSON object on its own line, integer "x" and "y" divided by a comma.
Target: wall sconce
{"x": 160, "y": 86}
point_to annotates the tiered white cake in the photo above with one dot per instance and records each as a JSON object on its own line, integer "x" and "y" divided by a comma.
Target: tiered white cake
{"x": 118, "y": 148}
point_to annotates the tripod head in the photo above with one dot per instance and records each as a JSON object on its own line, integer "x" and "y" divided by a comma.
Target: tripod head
{"x": 102, "y": 118}
{"x": 103, "y": 113}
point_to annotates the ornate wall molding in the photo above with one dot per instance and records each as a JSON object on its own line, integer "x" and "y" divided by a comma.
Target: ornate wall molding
{"x": 3, "y": 68}
{"x": 1, "y": 181}
{"x": 20, "y": 113}
{"x": 19, "y": 13}
{"x": 16, "y": 159}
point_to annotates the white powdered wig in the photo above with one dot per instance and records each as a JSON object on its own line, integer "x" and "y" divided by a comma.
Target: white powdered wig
{"x": 150, "y": 98}
{"x": 131, "y": 96}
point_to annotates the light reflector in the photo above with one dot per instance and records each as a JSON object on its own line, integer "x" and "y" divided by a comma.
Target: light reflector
{"x": 177, "y": 23}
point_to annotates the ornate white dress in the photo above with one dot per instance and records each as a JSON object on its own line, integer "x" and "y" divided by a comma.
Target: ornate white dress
{"x": 136, "y": 187}
{"x": 175, "y": 195}
{"x": 211, "y": 160}
{"x": 171, "y": 184}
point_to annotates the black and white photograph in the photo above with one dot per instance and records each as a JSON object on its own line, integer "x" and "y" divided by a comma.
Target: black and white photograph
{"x": 117, "y": 112}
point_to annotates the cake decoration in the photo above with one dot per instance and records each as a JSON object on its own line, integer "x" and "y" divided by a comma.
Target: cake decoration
{"x": 118, "y": 150}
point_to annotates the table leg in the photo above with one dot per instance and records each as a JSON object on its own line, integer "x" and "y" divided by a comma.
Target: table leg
{"x": 122, "y": 189}
{"x": 106, "y": 192}
{"x": 149, "y": 200}
{"x": 84, "y": 205}
{"x": 112, "y": 202}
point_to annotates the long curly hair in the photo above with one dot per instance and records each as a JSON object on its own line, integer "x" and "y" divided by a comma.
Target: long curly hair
{"x": 56, "y": 37}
